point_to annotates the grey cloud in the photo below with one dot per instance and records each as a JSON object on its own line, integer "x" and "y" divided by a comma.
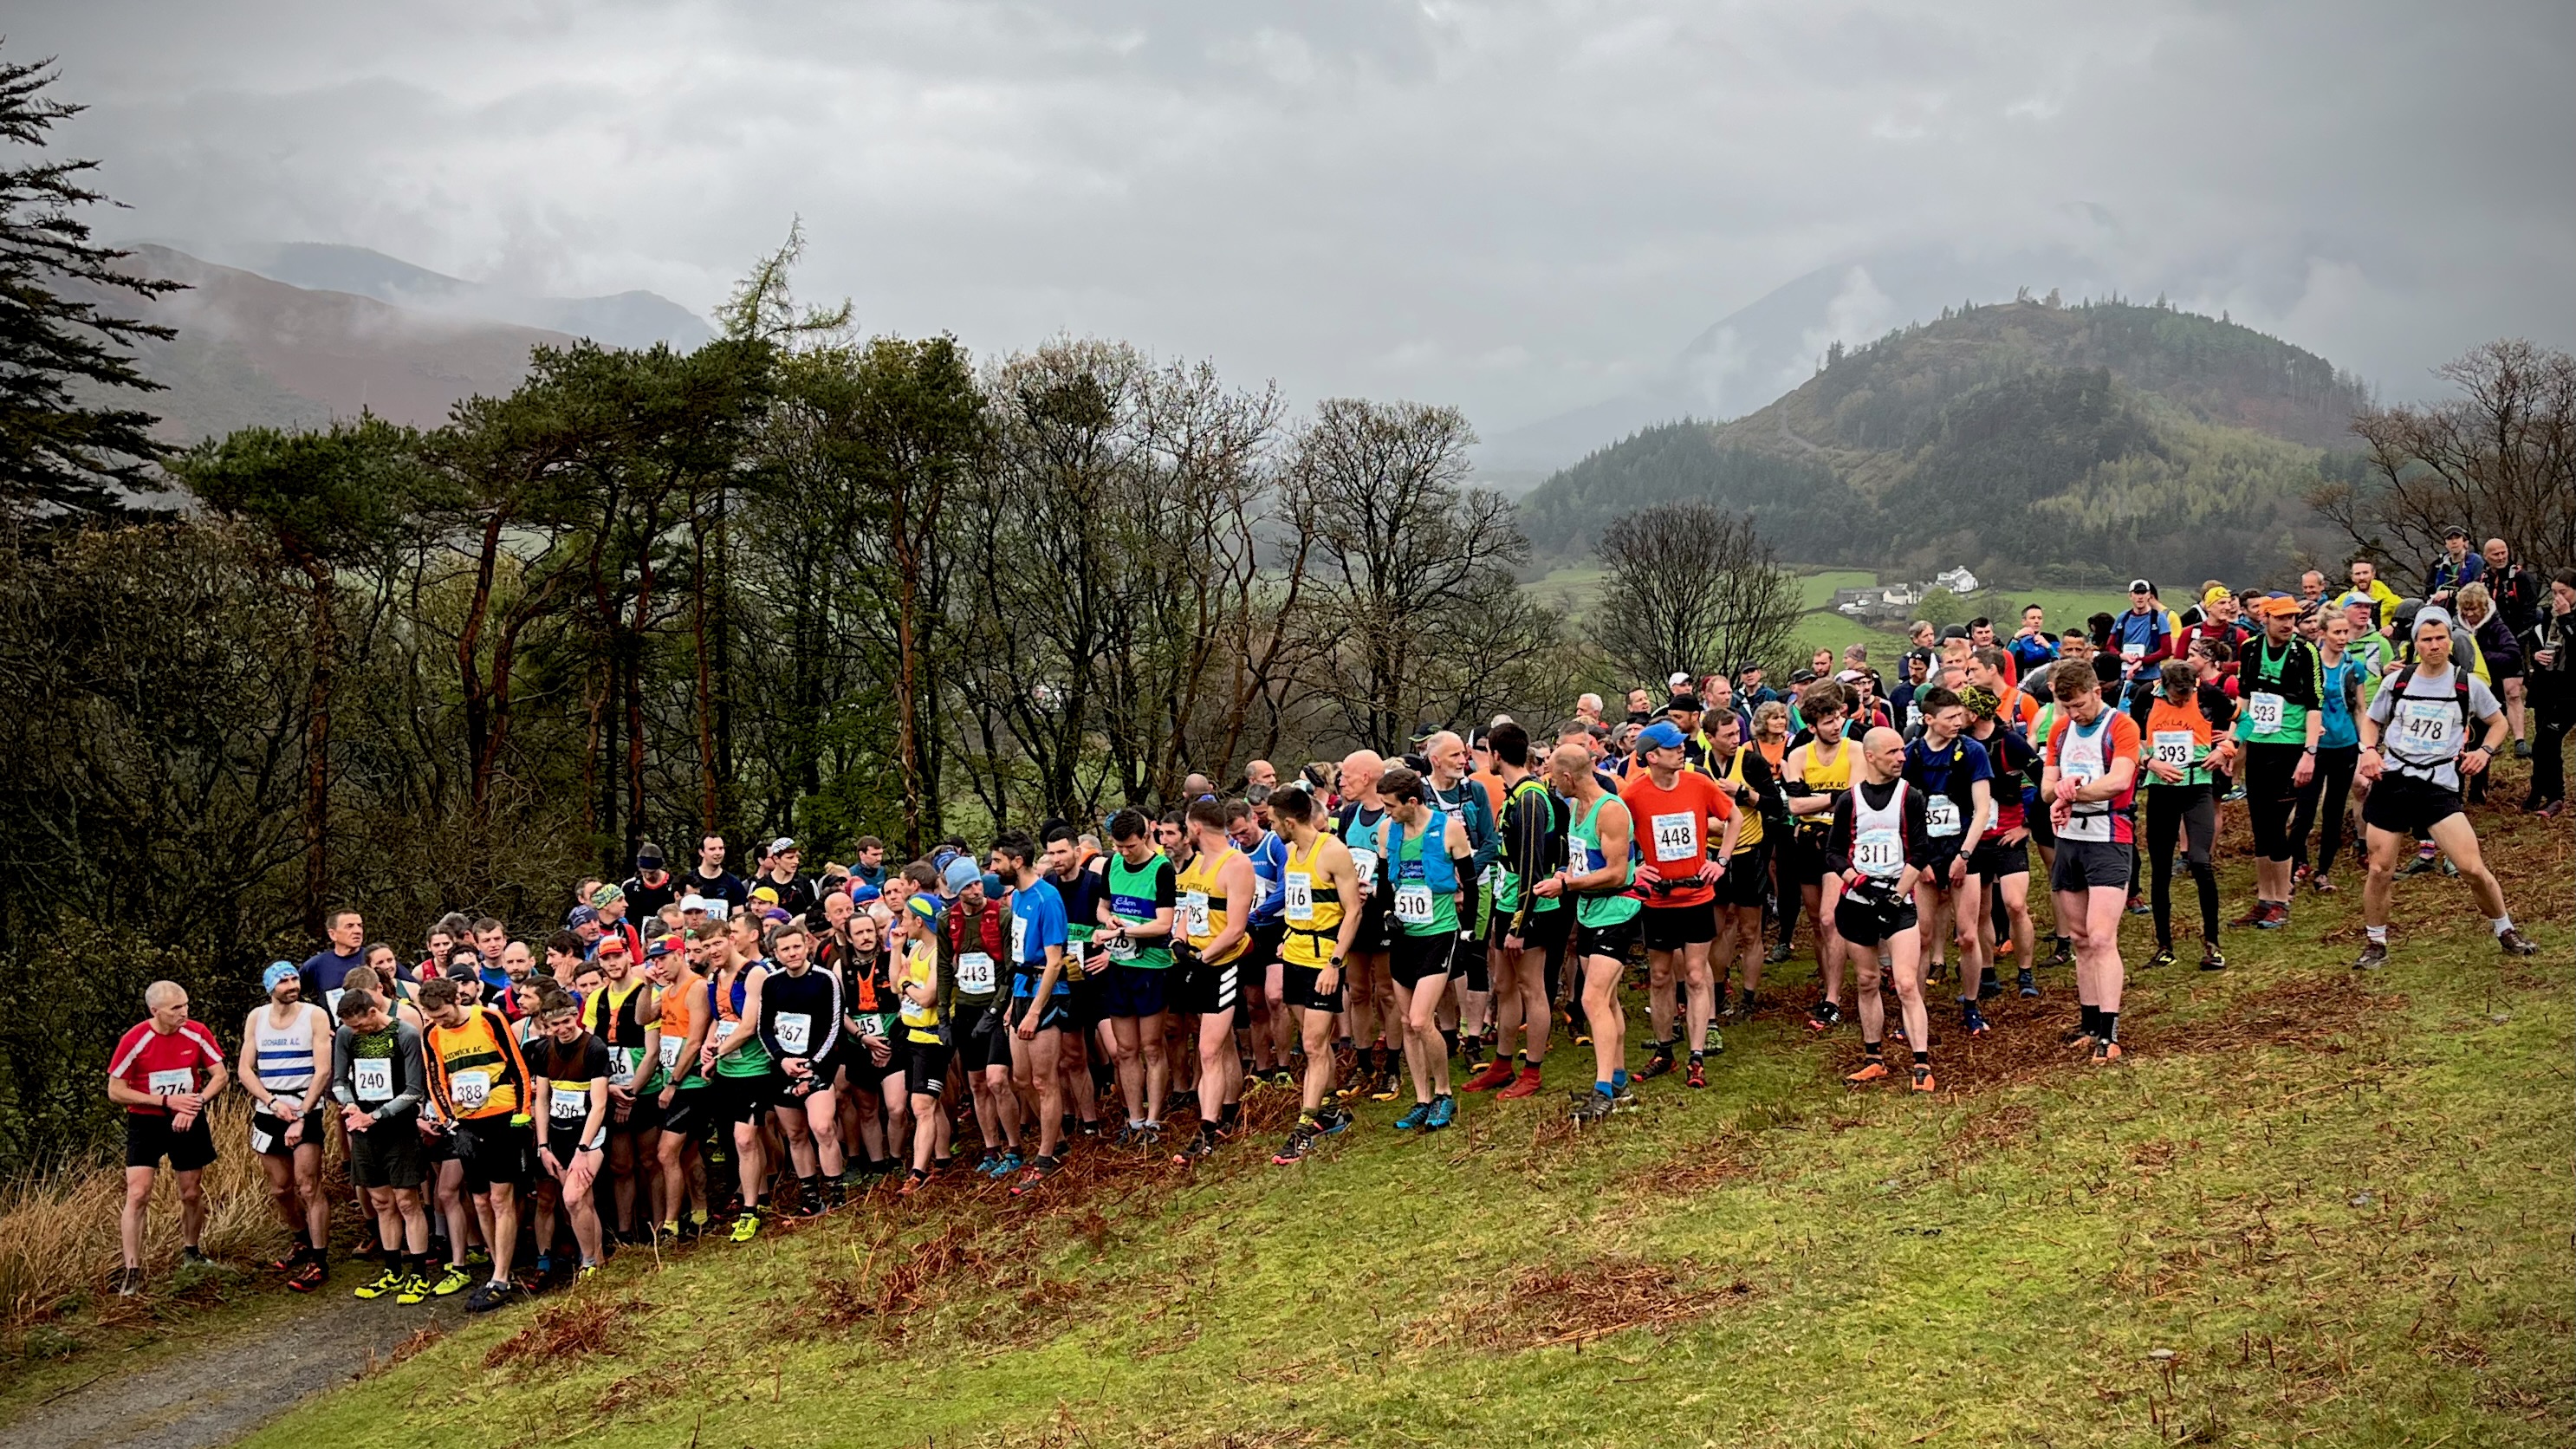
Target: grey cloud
{"x": 1519, "y": 207}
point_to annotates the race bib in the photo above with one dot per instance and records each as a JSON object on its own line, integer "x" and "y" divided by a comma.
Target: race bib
{"x": 1879, "y": 853}
{"x": 1676, "y": 835}
{"x": 622, "y": 1062}
{"x": 2133, "y": 651}
{"x": 373, "y": 1077}
{"x": 2266, "y": 710}
{"x": 331, "y": 1001}
{"x": 1122, "y": 948}
{"x": 671, "y": 1046}
{"x": 725, "y": 1030}
{"x": 2425, "y": 724}
{"x": 1413, "y": 903}
{"x": 1194, "y": 914}
{"x": 1298, "y": 893}
{"x": 974, "y": 972}
{"x": 1365, "y": 863}
{"x": 795, "y": 1032}
{"x": 568, "y": 1101}
{"x": 1019, "y": 938}
{"x": 2173, "y": 747}
{"x": 176, "y": 1079}
{"x": 470, "y": 1089}
{"x": 1940, "y": 815}
{"x": 261, "y": 1141}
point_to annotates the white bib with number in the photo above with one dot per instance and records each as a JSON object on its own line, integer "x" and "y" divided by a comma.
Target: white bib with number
{"x": 622, "y": 1062}
{"x": 2174, "y": 748}
{"x": 2266, "y": 710}
{"x": 1676, "y": 835}
{"x": 373, "y": 1077}
{"x": 974, "y": 972}
{"x": 1298, "y": 891}
{"x": 1879, "y": 853}
{"x": 1364, "y": 862}
{"x": 725, "y": 1031}
{"x": 1940, "y": 815}
{"x": 470, "y": 1089}
{"x": 2425, "y": 725}
{"x": 568, "y": 1101}
{"x": 1413, "y": 903}
{"x": 671, "y": 1046}
{"x": 1194, "y": 914}
{"x": 331, "y": 1001}
{"x": 1019, "y": 938}
{"x": 1122, "y": 947}
{"x": 795, "y": 1032}
{"x": 176, "y": 1079}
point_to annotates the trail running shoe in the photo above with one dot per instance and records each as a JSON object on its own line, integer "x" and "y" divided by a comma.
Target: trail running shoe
{"x": 2164, "y": 957}
{"x": 1332, "y": 1120}
{"x": 1923, "y": 1078}
{"x": 453, "y": 1281}
{"x": 129, "y": 1282}
{"x": 2322, "y": 885}
{"x": 2105, "y": 1053}
{"x": 1385, "y": 1090}
{"x": 912, "y": 1183}
{"x": 2373, "y": 955}
{"x": 2028, "y": 983}
{"x": 2211, "y": 960}
{"x": 1973, "y": 1021}
{"x": 2078, "y": 1036}
{"x": 2064, "y": 955}
{"x": 2420, "y": 865}
{"x": 1525, "y": 1084}
{"x": 1498, "y": 1073}
{"x": 1824, "y": 1016}
{"x": 1698, "y": 1074}
{"x": 2276, "y": 914}
{"x": 414, "y": 1289}
{"x": 1623, "y": 1097}
{"x": 1657, "y": 1065}
{"x": 585, "y": 1272}
{"x": 1714, "y": 1044}
{"x": 1778, "y": 953}
{"x": 1870, "y": 1071}
{"x": 2137, "y": 905}
{"x": 2513, "y": 942}
{"x": 1301, "y": 1140}
{"x": 307, "y": 1276}
{"x": 1420, "y": 1114}
{"x": 747, "y": 1227}
{"x": 1444, "y": 1110}
{"x": 2253, "y": 916}
{"x": 1040, "y": 1169}
{"x": 1591, "y": 1108}
{"x": 191, "y": 1257}
{"x": 489, "y": 1296}
{"x": 2450, "y": 867}
{"x": 388, "y": 1281}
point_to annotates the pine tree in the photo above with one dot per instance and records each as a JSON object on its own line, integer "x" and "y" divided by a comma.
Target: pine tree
{"x": 61, "y": 450}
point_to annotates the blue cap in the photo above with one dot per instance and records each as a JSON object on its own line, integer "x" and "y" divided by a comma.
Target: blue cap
{"x": 992, "y": 886}
{"x": 581, "y": 916}
{"x": 924, "y": 905}
{"x": 277, "y": 971}
{"x": 960, "y": 874}
{"x": 862, "y": 893}
{"x": 1663, "y": 734}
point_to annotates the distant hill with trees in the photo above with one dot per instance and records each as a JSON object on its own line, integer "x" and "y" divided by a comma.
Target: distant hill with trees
{"x": 2035, "y": 438}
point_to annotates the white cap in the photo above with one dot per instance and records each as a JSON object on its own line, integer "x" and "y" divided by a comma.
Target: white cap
{"x": 2434, "y": 614}
{"x": 693, "y": 903}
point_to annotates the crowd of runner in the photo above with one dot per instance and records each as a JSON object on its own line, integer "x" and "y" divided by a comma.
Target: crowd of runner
{"x": 694, "y": 1052}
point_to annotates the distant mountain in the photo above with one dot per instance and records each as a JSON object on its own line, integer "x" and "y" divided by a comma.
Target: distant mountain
{"x": 2022, "y": 438}
{"x": 1763, "y": 350}
{"x": 626, "y": 319}
{"x": 255, "y": 351}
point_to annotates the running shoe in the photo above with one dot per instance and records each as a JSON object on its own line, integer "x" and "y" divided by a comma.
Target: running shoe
{"x": 489, "y": 1296}
{"x": 1698, "y": 1074}
{"x": 747, "y": 1227}
{"x": 2299, "y": 874}
{"x": 2029, "y": 984}
{"x": 453, "y": 1281}
{"x": 1201, "y": 1144}
{"x": 2373, "y": 955}
{"x": 1973, "y": 1021}
{"x": 1715, "y": 1043}
{"x": 1583, "y": 1036}
{"x": 2450, "y": 867}
{"x": 2064, "y": 955}
{"x": 1825, "y": 1016}
{"x": 2513, "y": 942}
{"x": 1591, "y": 1107}
{"x": 1660, "y": 1064}
{"x": 2137, "y": 905}
{"x": 388, "y": 1281}
{"x": 1180, "y": 1099}
{"x": 2254, "y": 916}
{"x": 2420, "y": 865}
{"x": 1332, "y": 1120}
{"x": 2078, "y": 1035}
{"x": 1778, "y": 953}
{"x": 1030, "y": 1181}
{"x": 1525, "y": 1084}
{"x": 1870, "y": 1071}
{"x": 1283, "y": 1078}
{"x": 191, "y": 1257}
{"x": 1444, "y": 1110}
{"x": 2276, "y": 914}
{"x": 129, "y": 1282}
{"x": 1498, "y": 1073}
{"x": 2164, "y": 957}
{"x": 1923, "y": 1078}
{"x": 585, "y": 1272}
{"x": 415, "y": 1288}
{"x": 1624, "y": 1098}
{"x": 1301, "y": 1140}
{"x": 2321, "y": 884}
{"x": 2003, "y": 948}
{"x": 1385, "y": 1090}
{"x": 2211, "y": 960}
{"x": 912, "y": 1183}
{"x": 2105, "y": 1053}
{"x": 1420, "y": 1114}
{"x": 307, "y": 1276}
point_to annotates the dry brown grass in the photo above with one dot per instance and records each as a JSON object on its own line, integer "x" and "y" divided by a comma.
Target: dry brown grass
{"x": 565, "y": 1331}
{"x": 1549, "y": 1307}
{"x": 58, "y": 1239}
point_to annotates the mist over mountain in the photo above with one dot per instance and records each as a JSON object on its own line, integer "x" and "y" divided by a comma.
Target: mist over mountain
{"x": 623, "y": 319}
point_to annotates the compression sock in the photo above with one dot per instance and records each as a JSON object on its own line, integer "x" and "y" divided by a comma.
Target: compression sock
{"x": 1449, "y": 1038}
{"x": 2093, "y": 1021}
{"x": 2110, "y": 1025}
{"x": 1874, "y": 1050}
{"x": 1922, "y": 1059}
{"x": 1227, "y": 1115}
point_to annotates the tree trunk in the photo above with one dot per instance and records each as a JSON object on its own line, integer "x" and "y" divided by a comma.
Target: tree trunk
{"x": 317, "y": 748}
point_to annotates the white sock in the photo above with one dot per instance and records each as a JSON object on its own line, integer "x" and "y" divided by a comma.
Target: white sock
{"x": 2500, "y": 924}
{"x": 2378, "y": 934}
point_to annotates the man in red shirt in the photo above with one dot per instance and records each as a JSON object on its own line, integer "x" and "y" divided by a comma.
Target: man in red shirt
{"x": 1680, "y": 813}
{"x": 165, "y": 1071}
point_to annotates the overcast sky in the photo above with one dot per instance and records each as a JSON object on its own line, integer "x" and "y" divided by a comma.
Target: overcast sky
{"x": 1516, "y": 208}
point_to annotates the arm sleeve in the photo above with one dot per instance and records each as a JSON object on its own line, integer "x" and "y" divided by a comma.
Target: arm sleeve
{"x": 831, "y": 1016}
{"x": 344, "y": 1086}
{"x": 1838, "y": 834}
{"x": 409, "y": 1057}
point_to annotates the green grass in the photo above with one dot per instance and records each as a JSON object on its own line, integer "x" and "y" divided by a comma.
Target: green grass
{"x": 2310, "y": 1206}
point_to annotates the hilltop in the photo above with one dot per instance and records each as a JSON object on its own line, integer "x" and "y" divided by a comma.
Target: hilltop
{"x": 2033, "y": 438}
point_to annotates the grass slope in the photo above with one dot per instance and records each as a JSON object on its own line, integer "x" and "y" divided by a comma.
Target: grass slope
{"x": 2309, "y": 1206}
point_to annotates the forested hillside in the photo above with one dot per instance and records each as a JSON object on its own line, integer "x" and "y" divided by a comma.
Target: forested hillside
{"x": 2044, "y": 440}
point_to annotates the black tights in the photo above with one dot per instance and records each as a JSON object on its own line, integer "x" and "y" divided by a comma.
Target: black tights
{"x": 2189, "y": 812}
{"x": 2331, "y": 788}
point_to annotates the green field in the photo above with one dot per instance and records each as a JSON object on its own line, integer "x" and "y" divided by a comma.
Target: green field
{"x": 2309, "y": 1207}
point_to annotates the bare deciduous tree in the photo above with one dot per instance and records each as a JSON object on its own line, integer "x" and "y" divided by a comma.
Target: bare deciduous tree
{"x": 1691, "y": 588}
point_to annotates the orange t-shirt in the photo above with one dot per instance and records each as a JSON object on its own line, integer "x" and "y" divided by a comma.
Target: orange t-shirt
{"x": 1675, "y": 829}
